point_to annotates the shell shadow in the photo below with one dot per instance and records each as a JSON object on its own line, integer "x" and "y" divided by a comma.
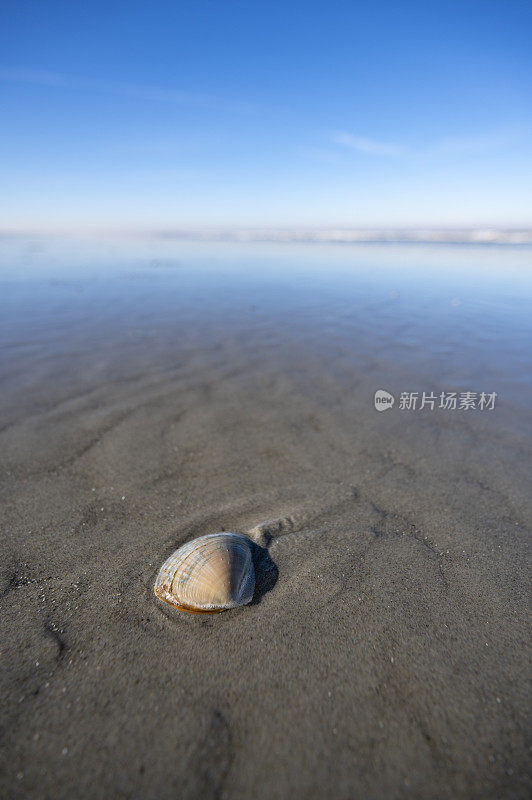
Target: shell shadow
{"x": 266, "y": 572}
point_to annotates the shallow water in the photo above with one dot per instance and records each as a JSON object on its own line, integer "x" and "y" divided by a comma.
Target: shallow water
{"x": 421, "y": 318}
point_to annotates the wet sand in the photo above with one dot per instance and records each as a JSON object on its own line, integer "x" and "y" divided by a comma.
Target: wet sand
{"x": 386, "y": 651}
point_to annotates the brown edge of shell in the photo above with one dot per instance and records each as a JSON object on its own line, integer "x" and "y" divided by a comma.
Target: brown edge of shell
{"x": 188, "y": 609}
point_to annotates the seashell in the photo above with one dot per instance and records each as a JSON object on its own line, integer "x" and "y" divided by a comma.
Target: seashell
{"x": 209, "y": 574}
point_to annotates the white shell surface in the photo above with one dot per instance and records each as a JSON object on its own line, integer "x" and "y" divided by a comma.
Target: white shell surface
{"x": 211, "y": 573}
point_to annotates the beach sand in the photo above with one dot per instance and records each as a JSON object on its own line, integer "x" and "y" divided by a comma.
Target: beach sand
{"x": 385, "y": 654}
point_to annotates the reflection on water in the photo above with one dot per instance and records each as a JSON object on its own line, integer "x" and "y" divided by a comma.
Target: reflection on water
{"x": 415, "y": 318}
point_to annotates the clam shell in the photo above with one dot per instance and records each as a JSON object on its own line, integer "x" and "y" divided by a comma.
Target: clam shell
{"x": 208, "y": 574}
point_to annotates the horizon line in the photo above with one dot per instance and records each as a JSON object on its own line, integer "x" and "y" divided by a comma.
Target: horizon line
{"x": 515, "y": 235}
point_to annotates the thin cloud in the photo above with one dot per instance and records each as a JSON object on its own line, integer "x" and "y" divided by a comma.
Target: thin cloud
{"x": 473, "y": 145}
{"x": 141, "y": 91}
{"x": 368, "y": 146}
{"x": 456, "y": 146}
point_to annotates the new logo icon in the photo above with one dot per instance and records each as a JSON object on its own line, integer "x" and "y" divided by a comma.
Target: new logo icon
{"x": 383, "y": 400}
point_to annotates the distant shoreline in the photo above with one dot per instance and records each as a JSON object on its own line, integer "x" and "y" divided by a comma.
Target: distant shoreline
{"x": 453, "y": 236}
{"x": 358, "y": 236}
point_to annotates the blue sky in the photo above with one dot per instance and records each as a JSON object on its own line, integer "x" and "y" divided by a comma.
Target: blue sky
{"x": 265, "y": 114}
